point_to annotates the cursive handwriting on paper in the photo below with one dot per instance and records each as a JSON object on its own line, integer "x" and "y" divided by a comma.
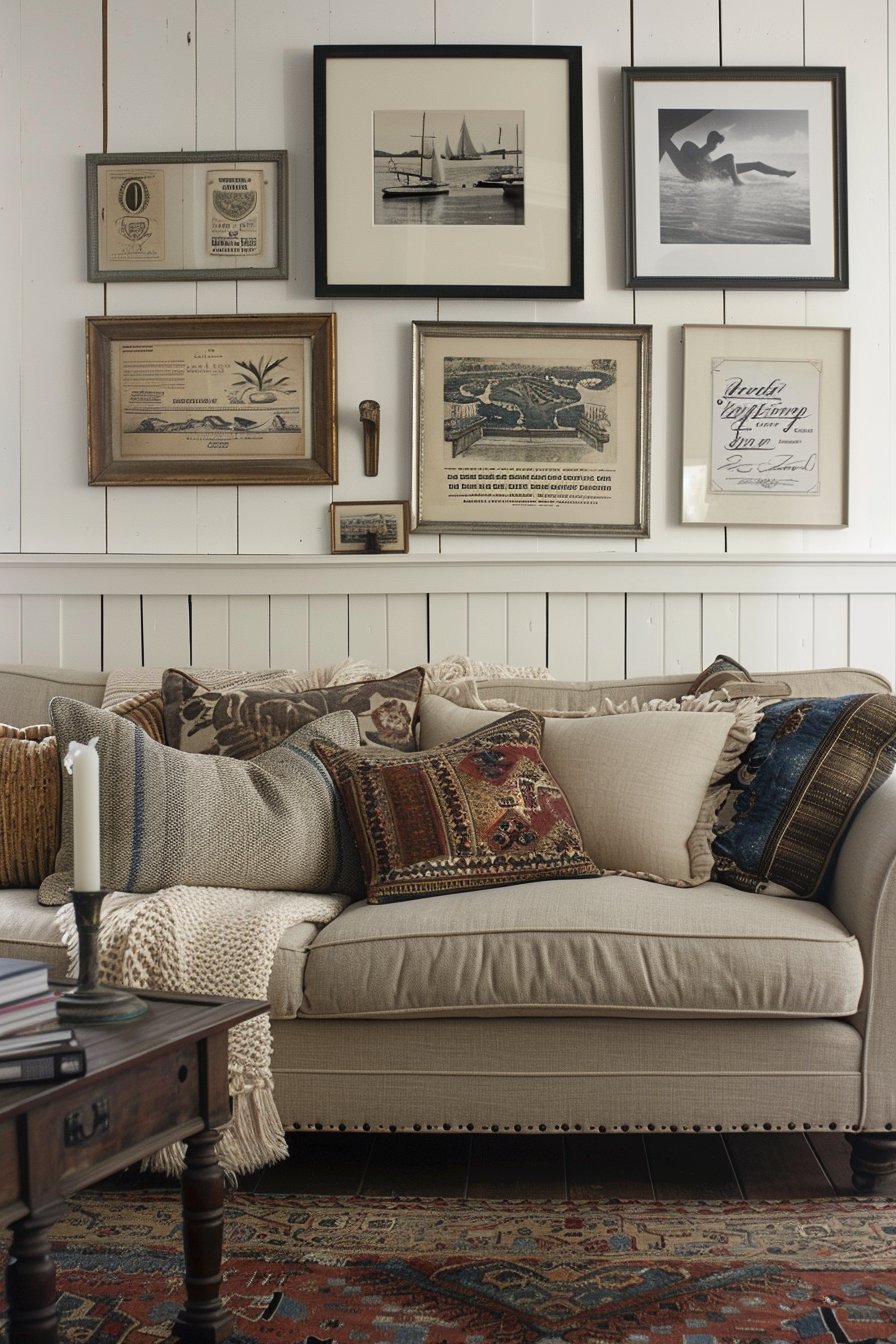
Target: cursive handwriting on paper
{"x": 765, "y": 426}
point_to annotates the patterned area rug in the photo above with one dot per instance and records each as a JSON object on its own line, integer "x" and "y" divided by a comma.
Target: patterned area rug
{"x": 424, "y": 1271}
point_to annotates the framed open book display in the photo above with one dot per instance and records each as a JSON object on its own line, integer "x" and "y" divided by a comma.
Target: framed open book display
{"x": 219, "y": 215}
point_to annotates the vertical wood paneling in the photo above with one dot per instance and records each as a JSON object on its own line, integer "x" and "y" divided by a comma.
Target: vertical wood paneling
{"x": 721, "y": 626}
{"x": 448, "y": 625}
{"x": 866, "y": 307}
{"x": 527, "y": 644}
{"x": 40, "y": 630}
{"x": 10, "y": 629}
{"x": 10, "y": 278}
{"x": 831, "y": 630}
{"x": 250, "y": 632}
{"x": 61, "y": 73}
{"x": 644, "y": 622}
{"x": 567, "y": 636}
{"x": 289, "y": 632}
{"x": 367, "y": 631}
{"x": 764, "y": 32}
{"x": 406, "y": 630}
{"x": 81, "y": 632}
{"x": 796, "y": 619}
{"x": 327, "y": 630}
{"x": 122, "y": 632}
{"x": 458, "y": 20}
{"x": 606, "y": 636}
{"x": 872, "y": 633}
{"x": 759, "y": 632}
{"x": 216, "y": 519}
{"x": 210, "y": 631}
{"x": 682, "y": 631}
{"x": 284, "y": 520}
{"x": 166, "y": 631}
{"x": 488, "y": 627}
{"x": 152, "y": 519}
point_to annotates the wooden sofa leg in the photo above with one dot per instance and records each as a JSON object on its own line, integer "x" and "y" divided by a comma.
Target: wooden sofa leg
{"x": 872, "y": 1155}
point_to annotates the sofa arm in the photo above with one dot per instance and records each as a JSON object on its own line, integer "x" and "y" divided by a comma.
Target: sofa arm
{"x": 864, "y": 900}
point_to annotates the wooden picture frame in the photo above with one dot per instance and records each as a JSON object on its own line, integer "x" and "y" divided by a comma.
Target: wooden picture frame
{"x": 212, "y": 400}
{"x": 735, "y": 177}
{"x": 766, "y": 426}
{"x": 501, "y": 130}
{"x": 372, "y": 527}
{"x": 215, "y": 215}
{"x": 531, "y": 428}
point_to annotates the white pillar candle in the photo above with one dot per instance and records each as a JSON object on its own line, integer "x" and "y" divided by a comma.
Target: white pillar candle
{"x": 83, "y": 764}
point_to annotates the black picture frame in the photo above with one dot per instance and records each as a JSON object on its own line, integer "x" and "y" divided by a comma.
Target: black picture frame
{"x": 173, "y": 194}
{"x": 365, "y": 248}
{"x": 688, "y": 226}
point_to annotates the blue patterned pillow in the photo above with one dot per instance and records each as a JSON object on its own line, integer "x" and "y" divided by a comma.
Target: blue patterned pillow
{"x": 810, "y": 766}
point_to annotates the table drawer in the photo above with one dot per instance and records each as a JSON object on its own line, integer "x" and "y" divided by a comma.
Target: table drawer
{"x": 115, "y": 1118}
{"x": 10, "y": 1185}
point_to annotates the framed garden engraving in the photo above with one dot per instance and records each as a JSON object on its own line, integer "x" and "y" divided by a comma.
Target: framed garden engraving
{"x": 766, "y": 425}
{"x": 219, "y": 215}
{"x": 735, "y": 178}
{"x": 448, "y": 171}
{"x": 212, "y": 400}
{"x": 531, "y": 427}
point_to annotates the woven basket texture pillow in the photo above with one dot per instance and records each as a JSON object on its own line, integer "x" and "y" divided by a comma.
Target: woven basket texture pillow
{"x": 812, "y": 764}
{"x": 481, "y": 812}
{"x": 642, "y": 780}
{"x": 29, "y": 792}
{"x": 242, "y": 721}
{"x": 169, "y": 818}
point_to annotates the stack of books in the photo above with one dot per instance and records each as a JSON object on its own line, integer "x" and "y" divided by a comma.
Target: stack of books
{"x": 33, "y": 1045}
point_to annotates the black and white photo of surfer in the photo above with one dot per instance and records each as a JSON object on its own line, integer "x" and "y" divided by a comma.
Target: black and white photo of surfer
{"x": 734, "y": 176}
{"x": 451, "y": 167}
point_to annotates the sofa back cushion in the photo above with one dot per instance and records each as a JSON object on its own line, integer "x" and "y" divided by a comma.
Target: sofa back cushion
{"x": 171, "y": 818}
{"x": 641, "y": 785}
{"x": 26, "y": 691}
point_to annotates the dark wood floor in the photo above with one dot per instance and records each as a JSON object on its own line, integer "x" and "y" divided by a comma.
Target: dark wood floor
{"x": 556, "y": 1166}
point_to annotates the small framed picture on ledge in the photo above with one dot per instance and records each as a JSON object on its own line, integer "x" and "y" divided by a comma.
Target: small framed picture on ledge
{"x": 373, "y": 527}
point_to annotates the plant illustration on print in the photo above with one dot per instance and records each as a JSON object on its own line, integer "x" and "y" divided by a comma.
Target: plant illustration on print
{"x": 257, "y": 381}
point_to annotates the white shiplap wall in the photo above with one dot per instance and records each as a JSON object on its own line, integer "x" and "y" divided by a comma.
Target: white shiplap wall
{"x": 167, "y": 574}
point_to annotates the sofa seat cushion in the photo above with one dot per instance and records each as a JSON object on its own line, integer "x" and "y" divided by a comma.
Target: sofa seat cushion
{"x": 607, "y": 946}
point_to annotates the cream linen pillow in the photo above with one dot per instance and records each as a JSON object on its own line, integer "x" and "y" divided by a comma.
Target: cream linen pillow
{"x": 643, "y": 785}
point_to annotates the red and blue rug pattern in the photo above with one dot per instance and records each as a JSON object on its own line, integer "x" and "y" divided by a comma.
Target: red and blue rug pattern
{"x": 426, "y": 1271}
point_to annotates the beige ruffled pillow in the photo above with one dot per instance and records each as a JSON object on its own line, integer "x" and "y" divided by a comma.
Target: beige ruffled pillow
{"x": 643, "y": 781}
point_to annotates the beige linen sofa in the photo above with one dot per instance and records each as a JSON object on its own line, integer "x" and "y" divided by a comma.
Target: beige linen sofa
{"x": 588, "y": 1004}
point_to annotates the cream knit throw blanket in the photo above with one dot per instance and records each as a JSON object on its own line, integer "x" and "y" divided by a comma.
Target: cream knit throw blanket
{"x": 210, "y": 940}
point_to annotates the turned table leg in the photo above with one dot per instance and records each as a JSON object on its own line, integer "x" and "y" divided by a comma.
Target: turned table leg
{"x": 872, "y": 1155}
{"x": 204, "y": 1318}
{"x": 31, "y": 1279}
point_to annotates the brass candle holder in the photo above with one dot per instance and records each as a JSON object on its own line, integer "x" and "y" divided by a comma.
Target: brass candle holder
{"x": 90, "y": 1001}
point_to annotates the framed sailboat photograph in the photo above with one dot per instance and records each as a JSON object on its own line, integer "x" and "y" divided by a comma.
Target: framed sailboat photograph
{"x": 448, "y": 171}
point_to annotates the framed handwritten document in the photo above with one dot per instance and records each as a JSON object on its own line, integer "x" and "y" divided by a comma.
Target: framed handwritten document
{"x": 217, "y": 215}
{"x": 766, "y": 425}
{"x": 212, "y": 400}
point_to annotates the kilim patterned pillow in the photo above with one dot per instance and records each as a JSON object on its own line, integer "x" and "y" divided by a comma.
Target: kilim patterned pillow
{"x": 809, "y": 768}
{"x": 483, "y": 811}
{"x": 734, "y": 681}
{"x": 170, "y": 818}
{"x": 243, "y": 721}
{"x": 29, "y": 792}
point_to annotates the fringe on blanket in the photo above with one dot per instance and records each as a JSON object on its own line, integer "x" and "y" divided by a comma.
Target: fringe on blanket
{"x": 209, "y": 940}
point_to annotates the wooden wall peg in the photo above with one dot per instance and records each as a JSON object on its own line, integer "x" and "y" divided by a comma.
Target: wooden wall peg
{"x": 370, "y": 418}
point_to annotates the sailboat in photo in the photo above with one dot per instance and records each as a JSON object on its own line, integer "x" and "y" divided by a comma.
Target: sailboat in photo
{"x": 465, "y": 147}
{"x": 420, "y": 184}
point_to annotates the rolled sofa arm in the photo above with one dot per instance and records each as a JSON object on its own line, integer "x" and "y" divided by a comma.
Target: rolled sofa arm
{"x": 864, "y": 900}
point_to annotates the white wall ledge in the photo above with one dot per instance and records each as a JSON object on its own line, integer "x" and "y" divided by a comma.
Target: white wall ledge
{"x": 606, "y": 572}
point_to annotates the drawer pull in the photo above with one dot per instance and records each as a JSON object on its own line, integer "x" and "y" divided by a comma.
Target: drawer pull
{"x": 75, "y": 1133}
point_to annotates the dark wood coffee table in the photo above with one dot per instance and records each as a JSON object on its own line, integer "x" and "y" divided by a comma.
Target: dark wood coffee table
{"x": 149, "y": 1082}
